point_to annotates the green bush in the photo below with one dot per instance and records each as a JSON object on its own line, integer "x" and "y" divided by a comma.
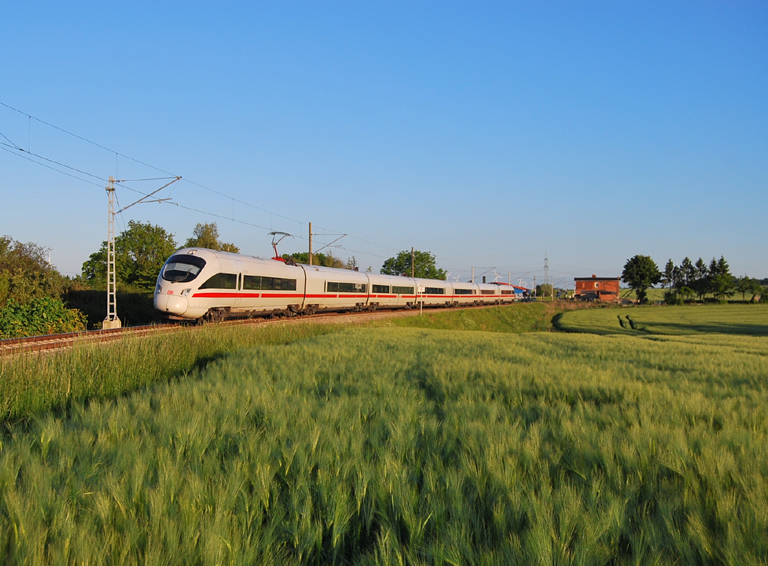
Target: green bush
{"x": 673, "y": 298}
{"x": 37, "y": 317}
{"x": 133, "y": 308}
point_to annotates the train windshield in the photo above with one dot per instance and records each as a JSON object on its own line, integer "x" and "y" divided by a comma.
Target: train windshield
{"x": 182, "y": 268}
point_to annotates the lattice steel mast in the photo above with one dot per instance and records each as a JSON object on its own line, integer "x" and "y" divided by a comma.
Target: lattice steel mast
{"x": 111, "y": 321}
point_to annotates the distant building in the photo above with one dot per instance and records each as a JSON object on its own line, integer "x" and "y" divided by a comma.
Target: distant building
{"x": 597, "y": 288}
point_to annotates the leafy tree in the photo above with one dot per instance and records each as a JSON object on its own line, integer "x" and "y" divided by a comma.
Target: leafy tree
{"x": 25, "y": 273}
{"x": 668, "y": 277}
{"x": 720, "y": 278}
{"x": 140, "y": 252}
{"x": 688, "y": 271}
{"x": 700, "y": 269}
{"x": 677, "y": 278}
{"x": 700, "y": 279}
{"x": 207, "y": 236}
{"x": 745, "y": 285}
{"x": 544, "y": 290}
{"x": 686, "y": 293}
{"x": 424, "y": 265}
{"x": 640, "y": 273}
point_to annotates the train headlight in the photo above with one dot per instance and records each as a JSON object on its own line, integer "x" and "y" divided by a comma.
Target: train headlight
{"x": 158, "y": 289}
{"x": 185, "y": 292}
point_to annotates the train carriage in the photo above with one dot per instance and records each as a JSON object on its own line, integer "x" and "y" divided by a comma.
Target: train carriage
{"x": 507, "y": 292}
{"x": 335, "y": 289}
{"x": 464, "y": 293}
{"x": 488, "y": 294}
{"x": 267, "y": 286}
{"x": 432, "y": 292}
{"x": 202, "y": 284}
{"x": 383, "y": 291}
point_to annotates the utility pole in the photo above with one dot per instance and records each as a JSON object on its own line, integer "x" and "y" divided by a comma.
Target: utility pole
{"x": 509, "y": 278}
{"x": 534, "y": 285}
{"x": 310, "y": 243}
{"x": 546, "y": 268}
{"x": 473, "y": 275}
{"x": 413, "y": 265}
{"x": 111, "y": 321}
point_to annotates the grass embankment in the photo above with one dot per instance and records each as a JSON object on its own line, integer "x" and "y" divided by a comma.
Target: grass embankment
{"x": 42, "y": 381}
{"x": 512, "y": 319}
{"x": 747, "y": 319}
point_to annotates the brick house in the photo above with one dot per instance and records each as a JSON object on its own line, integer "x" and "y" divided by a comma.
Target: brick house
{"x": 597, "y": 288}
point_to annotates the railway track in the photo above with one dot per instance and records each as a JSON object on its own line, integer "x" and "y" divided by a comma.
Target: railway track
{"x": 59, "y": 341}
{"x": 49, "y": 342}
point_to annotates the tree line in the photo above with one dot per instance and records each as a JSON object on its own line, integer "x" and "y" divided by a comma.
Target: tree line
{"x": 689, "y": 280}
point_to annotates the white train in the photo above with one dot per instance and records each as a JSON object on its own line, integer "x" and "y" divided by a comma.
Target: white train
{"x": 198, "y": 284}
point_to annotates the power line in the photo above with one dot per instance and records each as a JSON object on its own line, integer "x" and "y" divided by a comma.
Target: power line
{"x": 9, "y": 141}
{"x": 82, "y": 138}
{"x": 214, "y": 191}
{"x": 48, "y": 166}
{"x": 56, "y": 162}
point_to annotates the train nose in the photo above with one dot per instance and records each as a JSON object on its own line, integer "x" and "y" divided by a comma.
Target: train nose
{"x": 171, "y": 304}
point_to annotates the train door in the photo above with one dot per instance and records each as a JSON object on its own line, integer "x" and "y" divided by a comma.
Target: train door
{"x": 239, "y": 293}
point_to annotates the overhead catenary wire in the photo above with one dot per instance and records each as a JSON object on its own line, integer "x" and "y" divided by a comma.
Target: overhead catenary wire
{"x": 9, "y": 141}
{"x": 55, "y": 162}
{"x": 117, "y": 154}
{"x": 48, "y": 166}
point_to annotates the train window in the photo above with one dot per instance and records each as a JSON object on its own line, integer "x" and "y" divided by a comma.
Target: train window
{"x": 463, "y": 291}
{"x": 505, "y": 292}
{"x": 381, "y": 288}
{"x": 402, "y": 290}
{"x": 182, "y": 268}
{"x": 434, "y": 291}
{"x": 251, "y": 283}
{"x": 221, "y": 281}
{"x": 278, "y": 284}
{"x": 336, "y": 287}
{"x": 487, "y": 292}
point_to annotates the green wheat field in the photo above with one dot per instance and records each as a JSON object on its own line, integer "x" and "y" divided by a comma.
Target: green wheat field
{"x": 470, "y": 438}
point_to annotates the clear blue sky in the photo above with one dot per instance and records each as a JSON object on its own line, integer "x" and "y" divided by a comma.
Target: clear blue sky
{"x": 487, "y": 133}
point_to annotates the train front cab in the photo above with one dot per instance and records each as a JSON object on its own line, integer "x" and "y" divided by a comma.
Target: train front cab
{"x": 178, "y": 280}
